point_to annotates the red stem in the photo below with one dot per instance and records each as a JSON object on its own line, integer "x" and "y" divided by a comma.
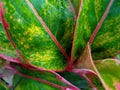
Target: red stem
{"x": 48, "y": 31}
{"x": 100, "y": 22}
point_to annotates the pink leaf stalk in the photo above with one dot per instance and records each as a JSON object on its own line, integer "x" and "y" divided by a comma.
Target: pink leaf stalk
{"x": 10, "y": 59}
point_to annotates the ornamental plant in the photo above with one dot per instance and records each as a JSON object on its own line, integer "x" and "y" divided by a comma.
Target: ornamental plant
{"x": 59, "y": 44}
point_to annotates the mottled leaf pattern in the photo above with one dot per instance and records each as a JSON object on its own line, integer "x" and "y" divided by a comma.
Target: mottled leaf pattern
{"x": 5, "y": 46}
{"x": 106, "y": 43}
{"x": 45, "y": 77}
{"x": 29, "y": 35}
{"x": 59, "y": 17}
{"x": 92, "y": 11}
{"x": 39, "y": 37}
{"x": 109, "y": 71}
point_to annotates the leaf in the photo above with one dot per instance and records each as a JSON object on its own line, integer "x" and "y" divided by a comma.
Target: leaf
{"x": 109, "y": 72}
{"x": 3, "y": 87}
{"x": 39, "y": 79}
{"x": 85, "y": 67}
{"x": 5, "y": 46}
{"x": 59, "y": 18}
{"x": 102, "y": 15}
{"x": 76, "y": 5}
{"x": 76, "y": 80}
{"x": 117, "y": 56}
{"x": 107, "y": 39}
{"x": 85, "y": 61}
{"x": 29, "y": 84}
{"x": 29, "y": 37}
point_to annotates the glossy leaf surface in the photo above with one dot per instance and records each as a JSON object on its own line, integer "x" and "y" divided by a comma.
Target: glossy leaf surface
{"x": 29, "y": 34}
{"x": 39, "y": 79}
{"x": 59, "y": 17}
{"x": 106, "y": 42}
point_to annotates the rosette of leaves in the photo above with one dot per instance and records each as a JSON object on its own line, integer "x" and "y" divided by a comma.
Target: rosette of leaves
{"x": 59, "y": 44}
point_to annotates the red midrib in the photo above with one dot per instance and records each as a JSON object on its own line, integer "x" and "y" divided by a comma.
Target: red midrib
{"x": 100, "y": 22}
{"x": 80, "y": 9}
{"x": 48, "y": 31}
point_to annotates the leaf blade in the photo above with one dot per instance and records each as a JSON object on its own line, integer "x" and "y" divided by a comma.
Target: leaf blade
{"x": 25, "y": 39}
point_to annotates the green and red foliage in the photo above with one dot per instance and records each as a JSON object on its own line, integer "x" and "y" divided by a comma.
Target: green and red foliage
{"x": 59, "y": 44}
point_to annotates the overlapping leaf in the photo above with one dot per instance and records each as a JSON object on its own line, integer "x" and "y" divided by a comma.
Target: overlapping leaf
{"x": 76, "y": 79}
{"x": 59, "y": 17}
{"x": 109, "y": 71}
{"x": 39, "y": 79}
{"x": 21, "y": 83}
{"x": 42, "y": 31}
{"x": 86, "y": 67}
{"x": 106, "y": 43}
{"x": 29, "y": 35}
{"x": 76, "y": 5}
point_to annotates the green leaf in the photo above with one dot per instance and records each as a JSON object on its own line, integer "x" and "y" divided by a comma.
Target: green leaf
{"x": 76, "y": 5}
{"x": 5, "y": 46}
{"x": 25, "y": 80}
{"x": 106, "y": 42}
{"x": 76, "y": 80}
{"x": 85, "y": 67}
{"x": 59, "y": 18}
{"x": 2, "y": 87}
{"x": 29, "y": 84}
{"x": 117, "y": 56}
{"x": 29, "y": 34}
{"x": 109, "y": 72}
